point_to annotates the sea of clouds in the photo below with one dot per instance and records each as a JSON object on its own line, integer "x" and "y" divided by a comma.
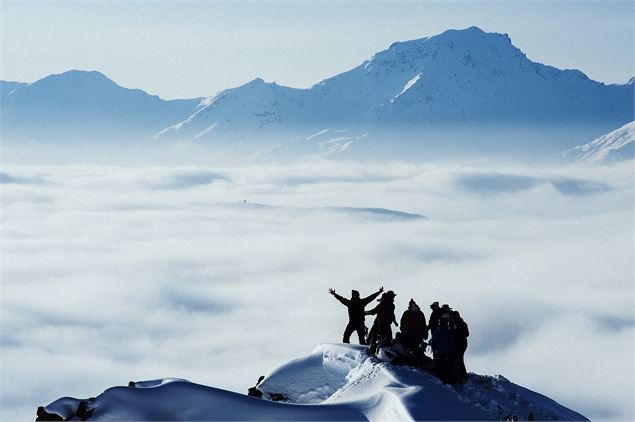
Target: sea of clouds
{"x": 219, "y": 275}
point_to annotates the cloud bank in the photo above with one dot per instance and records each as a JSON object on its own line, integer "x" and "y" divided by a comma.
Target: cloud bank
{"x": 219, "y": 275}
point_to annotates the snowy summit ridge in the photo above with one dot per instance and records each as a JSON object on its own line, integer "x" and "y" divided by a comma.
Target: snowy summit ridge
{"x": 335, "y": 382}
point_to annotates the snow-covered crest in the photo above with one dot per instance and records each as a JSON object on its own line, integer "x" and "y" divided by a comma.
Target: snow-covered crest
{"x": 335, "y": 382}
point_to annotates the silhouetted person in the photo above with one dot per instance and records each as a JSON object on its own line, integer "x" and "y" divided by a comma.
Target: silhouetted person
{"x": 444, "y": 350}
{"x": 461, "y": 333}
{"x": 356, "y": 314}
{"x": 413, "y": 325}
{"x": 434, "y": 317}
{"x": 381, "y": 331}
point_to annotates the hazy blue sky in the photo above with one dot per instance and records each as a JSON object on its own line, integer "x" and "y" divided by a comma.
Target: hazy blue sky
{"x": 197, "y": 48}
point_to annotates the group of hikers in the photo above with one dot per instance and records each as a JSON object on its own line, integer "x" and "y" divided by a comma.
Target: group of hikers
{"x": 448, "y": 334}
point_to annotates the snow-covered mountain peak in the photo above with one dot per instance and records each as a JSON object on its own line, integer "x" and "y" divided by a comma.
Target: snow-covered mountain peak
{"x": 454, "y": 59}
{"x": 80, "y": 74}
{"x": 76, "y": 79}
{"x": 468, "y": 36}
{"x": 450, "y": 44}
{"x": 254, "y": 83}
{"x": 335, "y": 382}
{"x": 257, "y": 104}
{"x": 253, "y": 89}
{"x": 473, "y": 35}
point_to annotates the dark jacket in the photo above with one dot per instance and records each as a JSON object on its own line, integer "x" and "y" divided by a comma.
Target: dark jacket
{"x": 385, "y": 312}
{"x": 461, "y": 333}
{"x": 435, "y": 316}
{"x": 356, "y": 306}
{"x": 413, "y": 326}
{"x": 381, "y": 331}
{"x": 443, "y": 341}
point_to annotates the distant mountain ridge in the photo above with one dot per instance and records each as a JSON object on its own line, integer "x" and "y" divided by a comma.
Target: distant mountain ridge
{"x": 452, "y": 84}
{"x": 458, "y": 77}
{"x": 84, "y": 104}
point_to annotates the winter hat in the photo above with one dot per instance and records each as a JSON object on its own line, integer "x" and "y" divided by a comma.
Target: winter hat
{"x": 390, "y": 293}
{"x": 354, "y": 293}
{"x": 412, "y": 305}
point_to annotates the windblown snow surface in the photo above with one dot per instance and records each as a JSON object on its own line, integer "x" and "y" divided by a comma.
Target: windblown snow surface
{"x": 335, "y": 382}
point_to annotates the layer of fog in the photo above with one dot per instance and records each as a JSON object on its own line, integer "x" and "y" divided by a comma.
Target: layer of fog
{"x": 218, "y": 275}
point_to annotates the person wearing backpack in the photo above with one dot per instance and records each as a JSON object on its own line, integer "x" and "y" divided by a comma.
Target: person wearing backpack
{"x": 413, "y": 325}
{"x": 434, "y": 317}
{"x": 356, "y": 316}
{"x": 381, "y": 331}
{"x": 444, "y": 350}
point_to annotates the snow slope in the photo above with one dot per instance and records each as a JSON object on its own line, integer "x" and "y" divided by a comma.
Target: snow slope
{"x": 335, "y": 382}
{"x": 614, "y": 146}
